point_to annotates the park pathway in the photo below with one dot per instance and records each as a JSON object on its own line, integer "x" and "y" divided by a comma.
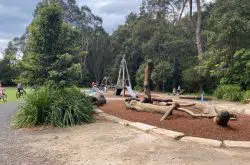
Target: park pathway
{"x": 104, "y": 143}
{"x": 13, "y": 148}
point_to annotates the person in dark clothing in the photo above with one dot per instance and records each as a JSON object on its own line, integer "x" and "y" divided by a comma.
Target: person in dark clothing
{"x": 20, "y": 88}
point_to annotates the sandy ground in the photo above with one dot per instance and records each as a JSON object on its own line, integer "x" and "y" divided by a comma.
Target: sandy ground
{"x": 103, "y": 143}
{"x": 108, "y": 143}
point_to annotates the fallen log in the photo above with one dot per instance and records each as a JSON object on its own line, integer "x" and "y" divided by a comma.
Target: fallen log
{"x": 174, "y": 106}
{"x": 194, "y": 97}
{"x": 195, "y": 115}
{"x": 162, "y": 100}
{"x": 146, "y": 107}
{"x": 160, "y": 103}
{"x": 182, "y": 105}
{"x": 220, "y": 118}
{"x": 131, "y": 98}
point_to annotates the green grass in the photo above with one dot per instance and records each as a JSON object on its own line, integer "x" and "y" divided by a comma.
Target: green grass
{"x": 11, "y": 94}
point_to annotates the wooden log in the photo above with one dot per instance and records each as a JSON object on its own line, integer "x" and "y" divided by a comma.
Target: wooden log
{"x": 195, "y": 115}
{"x": 131, "y": 98}
{"x": 162, "y": 100}
{"x": 194, "y": 97}
{"x": 187, "y": 105}
{"x": 160, "y": 103}
{"x": 146, "y": 107}
{"x": 147, "y": 79}
{"x": 221, "y": 118}
{"x": 174, "y": 106}
{"x": 182, "y": 105}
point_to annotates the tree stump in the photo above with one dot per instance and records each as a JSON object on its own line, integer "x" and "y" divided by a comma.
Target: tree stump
{"x": 147, "y": 79}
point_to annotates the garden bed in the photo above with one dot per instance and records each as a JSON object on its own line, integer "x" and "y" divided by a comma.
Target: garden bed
{"x": 198, "y": 127}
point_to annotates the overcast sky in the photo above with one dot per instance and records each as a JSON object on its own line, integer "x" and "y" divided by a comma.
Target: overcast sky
{"x": 15, "y": 15}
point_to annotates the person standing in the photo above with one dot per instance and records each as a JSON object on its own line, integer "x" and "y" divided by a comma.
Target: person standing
{"x": 179, "y": 90}
{"x": 1, "y": 89}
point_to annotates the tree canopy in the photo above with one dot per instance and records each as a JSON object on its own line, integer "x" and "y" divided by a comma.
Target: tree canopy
{"x": 66, "y": 44}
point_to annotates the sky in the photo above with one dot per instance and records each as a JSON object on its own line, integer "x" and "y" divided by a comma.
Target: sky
{"x": 15, "y": 15}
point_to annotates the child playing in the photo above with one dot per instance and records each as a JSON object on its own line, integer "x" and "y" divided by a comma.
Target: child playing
{"x": 1, "y": 89}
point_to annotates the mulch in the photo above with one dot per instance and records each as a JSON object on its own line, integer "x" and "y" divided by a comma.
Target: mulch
{"x": 179, "y": 121}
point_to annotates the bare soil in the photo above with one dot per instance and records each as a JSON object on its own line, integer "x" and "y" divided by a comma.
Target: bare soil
{"x": 198, "y": 127}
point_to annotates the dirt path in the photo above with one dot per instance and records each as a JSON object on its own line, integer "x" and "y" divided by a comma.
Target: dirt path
{"x": 105, "y": 143}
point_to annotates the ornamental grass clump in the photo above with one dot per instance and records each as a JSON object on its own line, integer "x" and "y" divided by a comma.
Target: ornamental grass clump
{"x": 59, "y": 107}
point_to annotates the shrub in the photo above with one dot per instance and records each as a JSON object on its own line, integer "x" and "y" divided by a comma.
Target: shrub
{"x": 138, "y": 88}
{"x": 57, "y": 107}
{"x": 247, "y": 94}
{"x": 229, "y": 92}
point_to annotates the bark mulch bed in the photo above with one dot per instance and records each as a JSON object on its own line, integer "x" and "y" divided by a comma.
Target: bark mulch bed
{"x": 198, "y": 127}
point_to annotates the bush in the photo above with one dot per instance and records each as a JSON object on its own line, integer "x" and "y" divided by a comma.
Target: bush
{"x": 57, "y": 107}
{"x": 229, "y": 92}
{"x": 138, "y": 88}
{"x": 247, "y": 94}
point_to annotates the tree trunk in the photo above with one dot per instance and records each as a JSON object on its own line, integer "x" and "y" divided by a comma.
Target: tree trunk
{"x": 191, "y": 9}
{"x": 182, "y": 9}
{"x": 198, "y": 31}
{"x": 147, "y": 79}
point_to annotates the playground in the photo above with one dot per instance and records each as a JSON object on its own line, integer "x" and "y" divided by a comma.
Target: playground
{"x": 104, "y": 140}
{"x": 181, "y": 122}
{"x": 193, "y": 116}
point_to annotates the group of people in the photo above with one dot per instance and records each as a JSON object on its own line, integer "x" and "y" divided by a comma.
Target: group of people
{"x": 178, "y": 92}
{"x": 20, "y": 88}
{"x": 102, "y": 87}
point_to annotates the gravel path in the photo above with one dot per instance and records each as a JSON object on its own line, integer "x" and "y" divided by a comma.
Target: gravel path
{"x": 103, "y": 143}
{"x": 13, "y": 143}
{"x": 6, "y": 111}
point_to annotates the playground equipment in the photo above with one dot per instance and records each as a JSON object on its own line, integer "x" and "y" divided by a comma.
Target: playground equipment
{"x": 123, "y": 81}
{"x": 167, "y": 106}
{"x": 106, "y": 84}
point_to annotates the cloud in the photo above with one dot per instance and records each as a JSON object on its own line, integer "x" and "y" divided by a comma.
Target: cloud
{"x": 113, "y": 12}
{"x": 14, "y": 16}
{"x": 13, "y": 12}
{"x": 120, "y": 8}
{"x": 3, "y": 45}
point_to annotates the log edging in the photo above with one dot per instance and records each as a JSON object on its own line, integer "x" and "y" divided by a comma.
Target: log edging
{"x": 179, "y": 136}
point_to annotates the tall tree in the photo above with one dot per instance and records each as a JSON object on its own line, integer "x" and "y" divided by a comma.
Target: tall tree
{"x": 50, "y": 48}
{"x": 198, "y": 31}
